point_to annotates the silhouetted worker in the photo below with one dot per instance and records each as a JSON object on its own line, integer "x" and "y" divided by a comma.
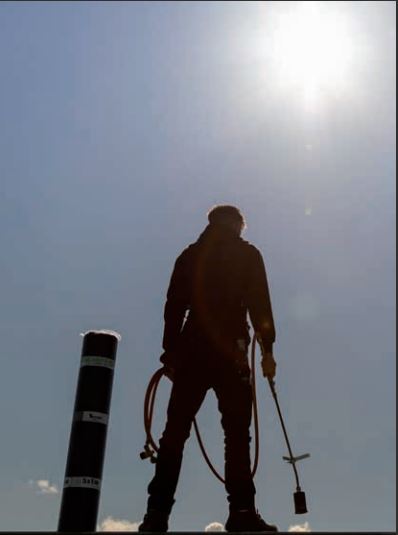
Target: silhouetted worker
{"x": 217, "y": 280}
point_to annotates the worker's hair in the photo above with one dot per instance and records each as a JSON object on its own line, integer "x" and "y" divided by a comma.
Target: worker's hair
{"x": 225, "y": 214}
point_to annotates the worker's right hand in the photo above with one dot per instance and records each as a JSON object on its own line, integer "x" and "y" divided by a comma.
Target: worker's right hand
{"x": 268, "y": 365}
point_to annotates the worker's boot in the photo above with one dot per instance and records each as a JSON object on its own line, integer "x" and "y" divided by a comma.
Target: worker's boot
{"x": 154, "y": 521}
{"x": 247, "y": 520}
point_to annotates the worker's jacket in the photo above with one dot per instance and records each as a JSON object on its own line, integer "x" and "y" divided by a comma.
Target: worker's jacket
{"x": 218, "y": 280}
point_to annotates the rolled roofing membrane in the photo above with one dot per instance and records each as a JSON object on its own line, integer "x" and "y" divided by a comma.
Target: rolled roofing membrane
{"x": 115, "y": 334}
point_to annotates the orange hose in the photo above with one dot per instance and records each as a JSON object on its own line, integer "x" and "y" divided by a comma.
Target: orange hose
{"x": 149, "y": 403}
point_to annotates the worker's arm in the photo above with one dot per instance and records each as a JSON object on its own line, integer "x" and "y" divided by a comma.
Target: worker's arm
{"x": 175, "y": 308}
{"x": 260, "y": 311}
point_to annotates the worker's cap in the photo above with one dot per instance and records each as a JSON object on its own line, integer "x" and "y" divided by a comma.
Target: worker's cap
{"x": 226, "y": 214}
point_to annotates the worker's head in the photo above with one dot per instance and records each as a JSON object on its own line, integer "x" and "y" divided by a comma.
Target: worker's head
{"x": 228, "y": 216}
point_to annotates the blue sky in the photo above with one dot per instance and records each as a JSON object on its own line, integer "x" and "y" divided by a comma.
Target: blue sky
{"x": 122, "y": 123}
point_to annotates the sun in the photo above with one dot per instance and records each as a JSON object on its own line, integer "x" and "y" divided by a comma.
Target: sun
{"x": 312, "y": 49}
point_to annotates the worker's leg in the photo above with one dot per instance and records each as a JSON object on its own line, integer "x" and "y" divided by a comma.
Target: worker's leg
{"x": 234, "y": 394}
{"x": 188, "y": 392}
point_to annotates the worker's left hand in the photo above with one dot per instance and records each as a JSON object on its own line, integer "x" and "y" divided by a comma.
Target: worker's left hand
{"x": 168, "y": 359}
{"x": 268, "y": 365}
{"x": 169, "y": 372}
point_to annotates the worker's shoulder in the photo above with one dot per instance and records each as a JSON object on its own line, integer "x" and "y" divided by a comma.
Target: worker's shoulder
{"x": 187, "y": 253}
{"x": 249, "y": 249}
{"x": 244, "y": 248}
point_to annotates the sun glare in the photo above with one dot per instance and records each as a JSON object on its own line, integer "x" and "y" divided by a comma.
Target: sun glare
{"x": 312, "y": 49}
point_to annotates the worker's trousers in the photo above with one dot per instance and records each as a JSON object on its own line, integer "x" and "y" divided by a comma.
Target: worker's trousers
{"x": 230, "y": 381}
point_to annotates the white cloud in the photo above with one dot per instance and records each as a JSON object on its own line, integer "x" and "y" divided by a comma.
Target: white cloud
{"x": 214, "y": 526}
{"x": 301, "y": 528}
{"x": 43, "y": 486}
{"x": 115, "y": 524}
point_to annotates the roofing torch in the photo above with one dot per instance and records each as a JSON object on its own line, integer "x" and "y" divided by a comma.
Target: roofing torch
{"x": 300, "y": 505}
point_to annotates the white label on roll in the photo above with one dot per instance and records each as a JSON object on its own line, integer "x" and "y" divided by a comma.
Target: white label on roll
{"x": 103, "y": 362}
{"x": 91, "y": 416}
{"x": 85, "y": 482}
